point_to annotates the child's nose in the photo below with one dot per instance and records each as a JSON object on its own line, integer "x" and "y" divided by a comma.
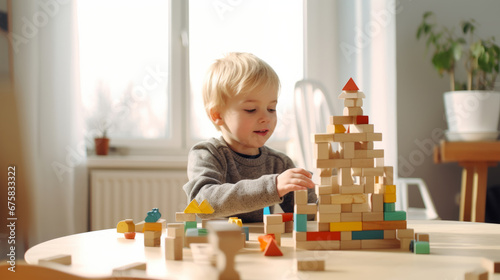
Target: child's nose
{"x": 265, "y": 117}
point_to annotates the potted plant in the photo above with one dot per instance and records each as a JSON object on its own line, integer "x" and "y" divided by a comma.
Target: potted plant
{"x": 102, "y": 141}
{"x": 472, "y": 107}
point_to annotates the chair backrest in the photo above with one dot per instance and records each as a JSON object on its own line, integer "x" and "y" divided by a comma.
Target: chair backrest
{"x": 312, "y": 112}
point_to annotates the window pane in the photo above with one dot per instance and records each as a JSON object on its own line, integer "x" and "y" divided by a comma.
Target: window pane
{"x": 124, "y": 63}
{"x": 270, "y": 29}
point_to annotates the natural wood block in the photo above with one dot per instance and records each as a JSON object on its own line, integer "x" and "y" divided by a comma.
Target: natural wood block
{"x": 365, "y": 145}
{"x": 422, "y": 237}
{"x": 390, "y": 234}
{"x": 354, "y": 189}
{"x": 373, "y": 216}
{"x": 173, "y": 248}
{"x": 301, "y": 197}
{"x": 64, "y": 259}
{"x": 405, "y": 244}
{"x": 388, "y": 175}
{"x": 310, "y": 208}
{"x": 361, "y": 207}
{"x": 350, "y": 217}
{"x": 371, "y": 136}
{"x": 323, "y": 137}
{"x": 328, "y": 217}
{"x": 335, "y": 186}
{"x": 477, "y": 274}
{"x": 325, "y": 172}
{"x": 152, "y": 238}
{"x": 324, "y": 199}
{"x": 356, "y": 162}
{"x": 350, "y": 244}
{"x": 379, "y": 162}
{"x": 196, "y": 239}
{"x": 318, "y": 245}
{"x": 374, "y": 153}
{"x": 323, "y": 226}
{"x": 382, "y": 225}
{"x": 360, "y": 128}
{"x": 335, "y": 128}
{"x": 341, "y": 120}
{"x": 349, "y": 137}
{"x": 353, "y": 102}
{"x": 310, "y": 265}
{"x": 380, "y": 244}
{"x": 333, "y": 163}
{"x": 405, "y": 233}
{"x": 352, "y": 111}
{"x": 329, "y": 208}
{"x": 346, "y": 208}
{"x": 185, "y": 217}
{"x": 273, "y": 219}
{"x": 344, "y": 177}
{"x": 346, "y": 235}
{"x": 299, "y": 235}
{"x": 325, "y": 181}
{"x": 347, "y": 150}
{"x": 377, "y": 202}
{"x": 373, "y": 171}
{"x": 175, "y": 229}
{"x": 321, "y": 150}
{"x": 348, "y": 198}
{"x": 324, "y": 189}
{"x": 357, "y": 171}
{"x": 274, "y": 228}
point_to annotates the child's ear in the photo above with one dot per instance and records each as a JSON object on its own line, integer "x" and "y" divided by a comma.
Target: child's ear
{"x": 216, "y": 117}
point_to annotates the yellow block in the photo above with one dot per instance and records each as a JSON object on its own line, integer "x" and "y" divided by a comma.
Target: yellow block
{"x": 346, "y": 226}
{"x": 389, "y": 197}
{"x": 339, "y": 128}
{"x": 125, "y": 226}
{"x": 235, "y": 220}
{"x": 390, "y": 188}
{"x": 205, "y": 207}
{"x": 152, "y": 227}
{"x": 192, "y": 207}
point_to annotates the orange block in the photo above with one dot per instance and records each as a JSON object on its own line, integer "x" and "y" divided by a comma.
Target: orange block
{"x": 287, "y": 217}
{"x": 272, "y": 249}
{"x": 264, "y": 240}
{"x": 351, "y": 85}
{"x": 152, "y": 227}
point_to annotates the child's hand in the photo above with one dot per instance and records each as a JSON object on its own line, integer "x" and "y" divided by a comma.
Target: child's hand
{"x": 293, "y": 180}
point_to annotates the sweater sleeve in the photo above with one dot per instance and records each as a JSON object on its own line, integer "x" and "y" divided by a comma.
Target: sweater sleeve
{"x": 207, "y": 169}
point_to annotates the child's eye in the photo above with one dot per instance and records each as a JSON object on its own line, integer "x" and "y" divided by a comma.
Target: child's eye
{"x": 272, "y": 110}
{"x": 250, "y": 110}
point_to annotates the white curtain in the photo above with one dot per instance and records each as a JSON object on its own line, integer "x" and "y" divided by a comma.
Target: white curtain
{"x": 46, "y": 78}
{"x": 347, "y": 38}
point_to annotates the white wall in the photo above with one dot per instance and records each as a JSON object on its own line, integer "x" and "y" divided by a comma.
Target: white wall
{"x": 420, "y": 111}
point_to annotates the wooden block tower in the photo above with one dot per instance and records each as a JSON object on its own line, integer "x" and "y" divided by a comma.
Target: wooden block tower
{"x": 356, "y": 192}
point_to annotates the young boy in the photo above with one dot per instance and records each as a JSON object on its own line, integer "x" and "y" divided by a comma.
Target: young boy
{"x": 236, "y": 173}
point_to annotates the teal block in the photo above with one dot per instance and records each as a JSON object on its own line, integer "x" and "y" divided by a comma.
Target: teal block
{"x": 367, "y": 234}
{"x": 267, "y": 211}
{"x": 246, "y": 230}
{"x": 300, "y": 222}
{"x": 395, "y": 216}
{"x": 422, "y": 247}
{"x": 192, "y": 232}
{"x": 389, "y": 207}
{"x": 188, "y": 225}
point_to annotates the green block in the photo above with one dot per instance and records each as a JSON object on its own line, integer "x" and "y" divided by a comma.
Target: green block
{"x": 187, "y": 225}
{"x": 300, "y": 222}
{"x": 389, "y": 207}
{"x": 395, "y": 216}
{"x": 422, "y": 247}
{"x": 367, "y": 234}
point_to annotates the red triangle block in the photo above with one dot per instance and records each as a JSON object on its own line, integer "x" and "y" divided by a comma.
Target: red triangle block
{"x": 272, "y": 249}
{"x": 350, "y": 86}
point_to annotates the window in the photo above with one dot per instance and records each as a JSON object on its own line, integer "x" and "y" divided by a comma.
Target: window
{"x": 124, "y": 67}
{"x": 272, "y": 30}
{"x": 125, "y": 63}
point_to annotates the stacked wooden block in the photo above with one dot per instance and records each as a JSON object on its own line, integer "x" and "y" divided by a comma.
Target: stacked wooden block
{"x": 274, "y": 224}
{"x": 356, "y": 192}
{"x": 174, "y": 242}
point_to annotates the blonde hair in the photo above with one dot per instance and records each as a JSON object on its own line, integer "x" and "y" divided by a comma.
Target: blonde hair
{"x": 235, "y": 74}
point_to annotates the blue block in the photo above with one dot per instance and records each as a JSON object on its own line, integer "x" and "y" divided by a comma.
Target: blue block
{"x": 267, "y": 211}
{"x": 246, "y": 230}
{"x": 389, "y": 207}
{"x": 300, "y": 222}
{"x": 367, "y": 234}
{"x": 395, "y": 216}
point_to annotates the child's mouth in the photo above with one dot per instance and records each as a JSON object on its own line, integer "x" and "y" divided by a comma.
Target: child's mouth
{"x": 262, "y": 132}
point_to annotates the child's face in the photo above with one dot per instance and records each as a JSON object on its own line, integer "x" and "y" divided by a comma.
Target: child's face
{"x": 248, "y": 121}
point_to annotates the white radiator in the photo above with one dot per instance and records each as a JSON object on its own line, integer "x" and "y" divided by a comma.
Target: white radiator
{"x": 116, "y": 195}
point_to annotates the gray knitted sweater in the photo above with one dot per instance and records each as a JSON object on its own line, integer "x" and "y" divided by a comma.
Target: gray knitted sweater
{"x": 235, "y": 185}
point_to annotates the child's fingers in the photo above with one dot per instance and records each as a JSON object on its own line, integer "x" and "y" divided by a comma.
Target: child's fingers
{"x": 302, "y": 171}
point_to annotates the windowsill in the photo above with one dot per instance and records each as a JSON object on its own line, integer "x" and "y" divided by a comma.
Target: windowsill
{"x": 136, "y": 162}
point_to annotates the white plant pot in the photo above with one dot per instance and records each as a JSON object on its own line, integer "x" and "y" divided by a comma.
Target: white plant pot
{"x": 472, "y": 115}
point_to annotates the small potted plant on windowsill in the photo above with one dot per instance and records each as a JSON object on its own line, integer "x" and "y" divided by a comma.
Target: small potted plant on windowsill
{"x": 102, "y": 141}
{"x": 472, "y": 108}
